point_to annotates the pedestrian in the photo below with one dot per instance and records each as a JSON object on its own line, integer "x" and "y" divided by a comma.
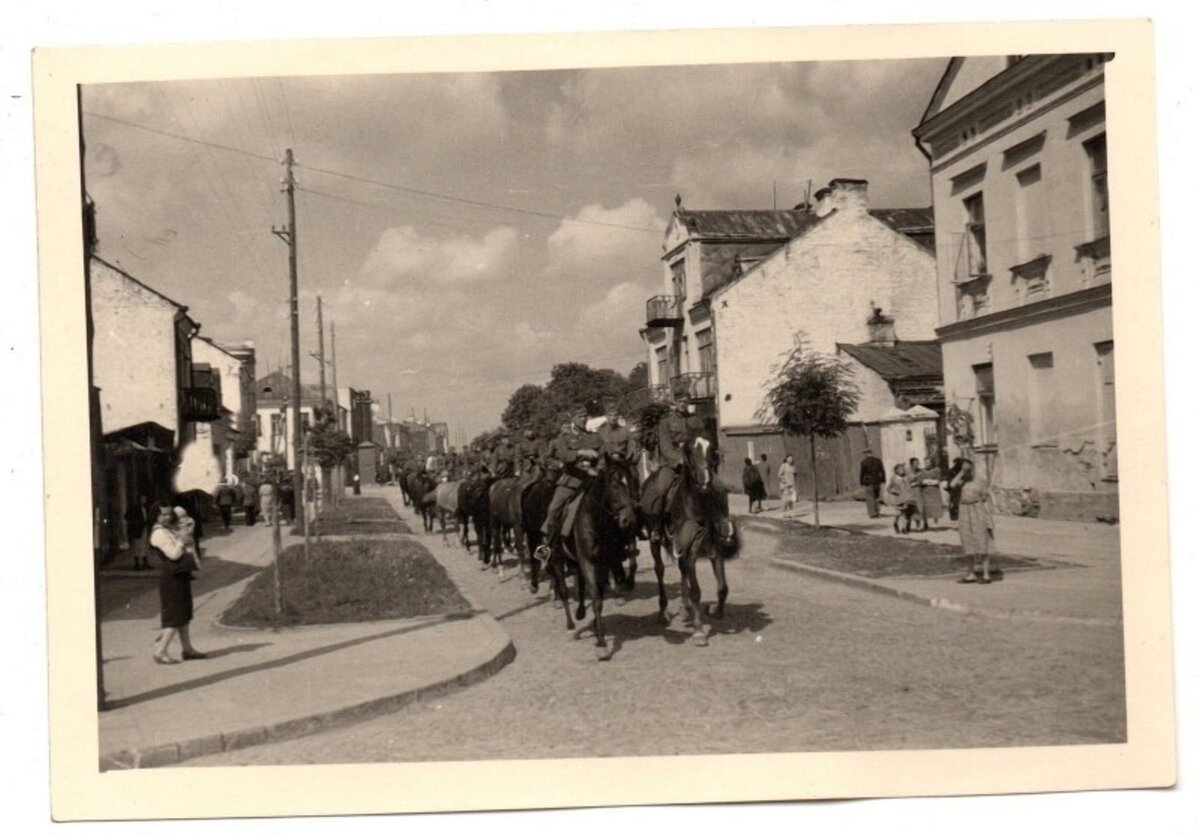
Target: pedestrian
{"x": 930, "y": 480}
{"x": 787, "y": 484}
{"x": 267, "y": 500}
{"x": 753, "y": 484}
{"x": 357, "y": 485}
{"x": 176, "y": 564}
{"x": 871, "y": 475}
{"x": 137, "y": 528}
{"x": 975, "y": 527}
{"x": 225, "y": 497}
{"x": 914, "y": 479}
{"x": 249, "y": 492}
{"x": 287, "y": 499}
{"x": 900, "y": 491}
{"x": 954, "y": 488}
{"x": 764, "y": 468}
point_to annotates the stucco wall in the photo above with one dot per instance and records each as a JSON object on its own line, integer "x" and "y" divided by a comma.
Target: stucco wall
{"x": 822, "y": 283}
{"x": 133, "y": 352}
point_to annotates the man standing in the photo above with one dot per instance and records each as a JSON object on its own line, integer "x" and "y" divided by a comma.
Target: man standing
{"x": 871, "y": 476}
{"x": 764, "y": 469}
{"x": 225, "y": 497}
{"x": 249, "y": 490}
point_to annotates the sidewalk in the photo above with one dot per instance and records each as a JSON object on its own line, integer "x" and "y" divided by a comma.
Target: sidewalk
{"x": 1079, "y": 580}
{"x": 260, "y": 685}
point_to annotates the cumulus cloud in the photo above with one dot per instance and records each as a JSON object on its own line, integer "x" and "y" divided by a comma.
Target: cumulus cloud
{"x": 403, "y": 255}
{"x": 600, "y": 246}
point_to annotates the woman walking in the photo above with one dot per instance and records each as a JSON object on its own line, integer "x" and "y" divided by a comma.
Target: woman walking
{"x": 975, "y": 527}
{"x": 787, "y": 484}
{"x": 175, "y": 566}
{"x": 930, "y": 480}
{"x": 752, "y": 482}
{"x": 900, "y": 490}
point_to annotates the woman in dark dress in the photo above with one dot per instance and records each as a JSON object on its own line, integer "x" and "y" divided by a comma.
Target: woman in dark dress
{"x": 752, "y": 482}
{"x": 175, "y": 565}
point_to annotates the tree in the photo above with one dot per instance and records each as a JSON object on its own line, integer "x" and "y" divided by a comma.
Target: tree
{"x": 810, "y": 394}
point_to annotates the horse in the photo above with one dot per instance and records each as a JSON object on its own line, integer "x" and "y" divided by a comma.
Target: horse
{"x": 473, "y": 508}
{"x": 419, "y": 486}
{"x": 445, "y": 497}
{"x": 603, "y": 523}
{"x": 698, "y": 525}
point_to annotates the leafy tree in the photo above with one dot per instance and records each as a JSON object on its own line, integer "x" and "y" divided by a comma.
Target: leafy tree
{"x": 810, "y": 394}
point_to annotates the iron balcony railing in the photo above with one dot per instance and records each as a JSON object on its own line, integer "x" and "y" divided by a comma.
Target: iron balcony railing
{"x": 664, "y": 311}
{"x": 694, "y": 386}
{"x": 201, "y": 403}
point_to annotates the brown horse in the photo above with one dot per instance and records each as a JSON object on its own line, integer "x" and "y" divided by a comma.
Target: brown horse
{"x": 504, "y": 512}
{"x": 419, "y": 486}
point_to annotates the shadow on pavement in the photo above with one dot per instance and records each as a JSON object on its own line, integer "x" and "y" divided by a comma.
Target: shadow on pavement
{"x": 281, "y": 662}
{"x": 124, "y": 598}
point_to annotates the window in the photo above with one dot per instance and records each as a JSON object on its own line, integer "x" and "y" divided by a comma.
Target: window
{"x": 1107, "y": 415}
{"x": 985, "y": 395}
{"x": 679, "y": 280}
{"x": 704, "y": 348}
{"x": 974, "y": 298}
{"x": 976, "y": 235}
{"x": 1041, "y": 398}
{"x": 1031, "y": 214}
{"x": 1097, "y": 151}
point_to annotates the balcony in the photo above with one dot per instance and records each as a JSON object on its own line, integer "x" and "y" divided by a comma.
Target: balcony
{"x": 660, "y": 393}
{"x": 201, "y": 403}
{"x": 664, "y": 312}
{"x": 694, "y": 386}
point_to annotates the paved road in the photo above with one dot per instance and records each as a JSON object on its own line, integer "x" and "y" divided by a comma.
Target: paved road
{"x": 799, "y": 665}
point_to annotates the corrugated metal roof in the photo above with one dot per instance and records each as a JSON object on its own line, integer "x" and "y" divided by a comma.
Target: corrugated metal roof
{"x": 902, "y": 361}
{"x": 747, "y": 223}
{"x": 906, "y": 220}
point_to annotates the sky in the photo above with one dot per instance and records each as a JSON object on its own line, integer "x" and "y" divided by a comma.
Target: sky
{"x": 466, "y": 232}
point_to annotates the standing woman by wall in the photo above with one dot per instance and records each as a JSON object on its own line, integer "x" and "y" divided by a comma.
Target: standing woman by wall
{"x": 787, "y": 483}
{"x": 975, "y": 527}
{"x": 175, "y": 566}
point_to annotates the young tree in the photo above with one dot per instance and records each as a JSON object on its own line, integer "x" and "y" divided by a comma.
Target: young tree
{"x": 330, "y": 445}
{"x": 810, "y": 394}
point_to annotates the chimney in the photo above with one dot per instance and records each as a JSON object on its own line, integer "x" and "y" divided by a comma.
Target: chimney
{"x": 824, "y": 204}
{"x": 881, "y": 329}
{"x": 848, "y": 195}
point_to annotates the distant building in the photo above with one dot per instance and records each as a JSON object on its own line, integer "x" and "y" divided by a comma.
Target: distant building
{"x": 233, "y": 368}
{"x": 273, "y": 401}
{"x": 1018, "y": 161}
{"x": 856, "y": 281}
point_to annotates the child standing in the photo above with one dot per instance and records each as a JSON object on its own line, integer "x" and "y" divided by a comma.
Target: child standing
{"x": 903, "y": 496}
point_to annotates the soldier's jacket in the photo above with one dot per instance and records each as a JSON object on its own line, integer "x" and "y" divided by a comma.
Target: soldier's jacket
{"x": 530, "y": 453}
{"x": 674, "y": 431}
{"x": 568, "y": 449}
{"x": 618, "y": 442}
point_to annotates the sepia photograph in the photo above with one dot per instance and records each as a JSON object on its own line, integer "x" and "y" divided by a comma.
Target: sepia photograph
{"x": 630, "y": 410}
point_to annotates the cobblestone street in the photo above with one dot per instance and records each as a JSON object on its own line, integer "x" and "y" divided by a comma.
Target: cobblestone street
{"x": 799, "y": 664}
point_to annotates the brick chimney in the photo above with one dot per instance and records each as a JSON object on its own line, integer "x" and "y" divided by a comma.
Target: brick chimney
{"x": 824, "y": 204}
{"x": 881, "y": 329}
{"x": 848, "y": 195}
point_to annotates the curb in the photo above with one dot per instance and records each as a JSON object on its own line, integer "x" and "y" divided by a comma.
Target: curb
{"x": 938, "y": 603}
{"x": 172, "y": 753}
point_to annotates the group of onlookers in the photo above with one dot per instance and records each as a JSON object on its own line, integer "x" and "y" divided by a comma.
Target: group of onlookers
{"x": 756, "y": 480}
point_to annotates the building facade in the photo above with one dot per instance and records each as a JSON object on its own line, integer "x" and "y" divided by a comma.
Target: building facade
{"x": 1018, "y": 163}
{"x": 274, "y": 414}
{"x": 232, "y": 380}
{"x": 852, "y": 276}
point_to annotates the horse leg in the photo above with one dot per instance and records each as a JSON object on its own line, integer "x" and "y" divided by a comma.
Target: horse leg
{"x": 699, "y": 628}
{"x": 592, "y": 579}
{"x": 559, "y": 582}
{"x": 580, "y": 590}
{"x": 659, "y": 571}
{"x": 718, "y": 564}
{"x": 442, "y": 520}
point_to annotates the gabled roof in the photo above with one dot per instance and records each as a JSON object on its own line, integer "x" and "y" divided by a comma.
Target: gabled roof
{"x": 141, "y": 284}
{"x": 907, "y": 221}
{"x": 760, "y": 224}
{"x": 916, "y": 360}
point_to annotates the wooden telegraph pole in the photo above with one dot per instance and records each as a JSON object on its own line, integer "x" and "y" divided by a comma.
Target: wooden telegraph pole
{"x": 288, "y": 235}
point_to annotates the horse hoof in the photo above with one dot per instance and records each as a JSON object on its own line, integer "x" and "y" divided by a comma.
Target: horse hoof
{"x": 619, "y": 601}
{"x": 699, "y": 640}
{"x": 603, "y": 654}
{"x": 715, "y": 612}
{"x": 663, "y": 618}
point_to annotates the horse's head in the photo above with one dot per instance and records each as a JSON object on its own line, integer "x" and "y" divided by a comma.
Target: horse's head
{"x": 618, "y": 498}
{"x": 701, "y": 460}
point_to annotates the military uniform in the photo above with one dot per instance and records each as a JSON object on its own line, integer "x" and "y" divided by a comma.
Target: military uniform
{"x": 575, "y": 453}
{"x": 675, "y": 431}
{"x": 529, "y": 452}
{"x": 503, "y": 459}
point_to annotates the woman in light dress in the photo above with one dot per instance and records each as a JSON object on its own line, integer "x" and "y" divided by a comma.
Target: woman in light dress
{"x": 975, "y": 527}
{"x": 787, "y": 484}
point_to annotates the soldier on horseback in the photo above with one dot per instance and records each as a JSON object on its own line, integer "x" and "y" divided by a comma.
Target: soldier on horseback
{"x": 675, "y": 431}
{"x": 575, "y": 454}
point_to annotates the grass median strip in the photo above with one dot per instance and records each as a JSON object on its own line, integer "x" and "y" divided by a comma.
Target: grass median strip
{"x": 359, "y": 515}
{"x": 882, "y": 557}
{"x": 349, "y": 581}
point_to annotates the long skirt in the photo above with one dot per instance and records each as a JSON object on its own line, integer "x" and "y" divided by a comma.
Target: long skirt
{"x": 974, "y": 522}
{"x": 931, "y": 501}
{"x": 175, "y": 598}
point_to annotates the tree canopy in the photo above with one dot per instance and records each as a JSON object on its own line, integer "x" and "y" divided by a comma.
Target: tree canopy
{"x": 330, "y": 445}
{"x": 571, "y": 387}
{"x": 810, "y": 393}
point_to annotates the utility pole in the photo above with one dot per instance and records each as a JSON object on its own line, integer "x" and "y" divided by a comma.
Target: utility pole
{"x": 321, "y": 347}
{"x": 288, "y": 235}
{"x": 333, "y": 363}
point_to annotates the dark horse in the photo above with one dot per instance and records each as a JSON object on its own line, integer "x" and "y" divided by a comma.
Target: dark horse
{"x": 419, "y": 486}
{"x": 697, "y": 525}
{"x": 504, "y": 500}
{"x": 473, "y": 509}
{"x": 597, "y": 540}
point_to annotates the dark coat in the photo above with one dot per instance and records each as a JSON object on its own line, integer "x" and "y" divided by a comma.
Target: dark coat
{"x": 871, "y": 472}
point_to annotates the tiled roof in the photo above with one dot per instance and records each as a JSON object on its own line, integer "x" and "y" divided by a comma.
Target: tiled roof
{"x": 747, "y": 223}
{"x": 920, "y": 359}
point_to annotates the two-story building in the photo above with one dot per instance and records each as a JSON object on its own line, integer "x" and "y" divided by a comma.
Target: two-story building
{"x": 152, "y": 404}
{"x": 273, "y": 395}
{"x": 1018, "y": 163}
{"x": 859, "y": 284}
{"x": 233, "y": 367}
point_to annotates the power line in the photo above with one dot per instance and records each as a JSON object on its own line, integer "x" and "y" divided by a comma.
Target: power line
{"x": 483, "y": 204}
